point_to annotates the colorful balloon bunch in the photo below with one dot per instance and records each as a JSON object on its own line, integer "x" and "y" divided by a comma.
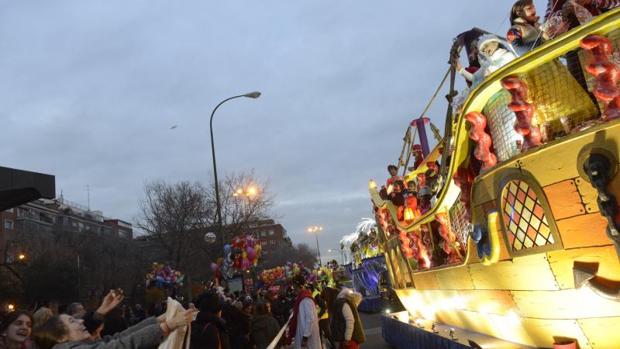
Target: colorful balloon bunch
{"x": 242, "y": 254}
{"x": 270, "y": 276}
{"x": 163, "y": 275}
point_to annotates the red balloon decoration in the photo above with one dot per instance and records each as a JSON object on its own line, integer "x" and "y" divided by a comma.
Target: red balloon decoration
{"x": 606, "y": 72}
{"x": 477, "y": 134}
{"x": 524, "y": 111}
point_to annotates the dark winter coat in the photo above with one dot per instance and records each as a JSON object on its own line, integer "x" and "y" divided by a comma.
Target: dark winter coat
{"x": 209, "y": 332}
{"x": 238, "y": 324}
{"x": 264, "y": 329}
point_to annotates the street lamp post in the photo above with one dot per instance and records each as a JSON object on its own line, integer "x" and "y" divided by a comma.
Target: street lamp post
{"x": 254, "y": 95}
{"x": 316, "y": 229}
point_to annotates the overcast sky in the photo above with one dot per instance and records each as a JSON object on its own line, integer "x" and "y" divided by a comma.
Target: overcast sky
{"x": 89, "y": 91}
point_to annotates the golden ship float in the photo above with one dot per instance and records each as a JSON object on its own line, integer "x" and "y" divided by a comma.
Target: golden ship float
{"x": 520, "y": 241}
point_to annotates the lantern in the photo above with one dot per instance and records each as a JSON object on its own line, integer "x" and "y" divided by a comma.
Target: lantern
{"x": 408, "y": 214}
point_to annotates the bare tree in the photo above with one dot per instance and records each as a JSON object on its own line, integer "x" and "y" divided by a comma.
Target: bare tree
{"x": 176, "y": 217}
{"x": 244, "y": 199}
{"x": 170, "y": 213}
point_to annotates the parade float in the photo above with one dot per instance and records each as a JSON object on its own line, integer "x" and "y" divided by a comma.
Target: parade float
{"x": 364, "y": 264}
{"x": 518, "y": 245}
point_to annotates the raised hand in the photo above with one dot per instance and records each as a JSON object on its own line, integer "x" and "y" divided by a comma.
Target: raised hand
{"x": 111, "y": 301}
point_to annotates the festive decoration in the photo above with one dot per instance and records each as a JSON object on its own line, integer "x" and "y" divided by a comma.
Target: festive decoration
{"x": 363, "y": 243}
{"x": 163, "y": 275}
{"x": 409, "y": 215}
{"x": 270, "y": 276}
{"x": 524, "y": 217}
{"x": 606, "y": 72}
{"x": 477, "y": 134}
{"x": 243, "y": 253}
{"x": 367, "y": 277}
{"x": 524, "y": 111}
{"x": 464, "y": 179}
{"x": 450, "y": 244}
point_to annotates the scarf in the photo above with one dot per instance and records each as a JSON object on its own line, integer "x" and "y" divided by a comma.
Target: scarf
{"x": 292, "y": 328}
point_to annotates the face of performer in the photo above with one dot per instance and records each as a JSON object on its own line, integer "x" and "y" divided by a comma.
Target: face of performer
{"x": 489, "y": 48}
{"x": 393, "y": 171}
{"x": 529, "y": 13}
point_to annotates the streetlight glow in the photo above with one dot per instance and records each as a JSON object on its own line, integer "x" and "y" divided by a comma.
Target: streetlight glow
{"x": 21, "y": 256}
{"x": 252, "y": 191}
{"x": 249, "y": 192}
{"x": 315, "y": 229}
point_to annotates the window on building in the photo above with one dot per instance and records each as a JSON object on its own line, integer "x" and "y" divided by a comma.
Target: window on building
{"x": 270, "y": 232}
{"x": 8, "y": 224}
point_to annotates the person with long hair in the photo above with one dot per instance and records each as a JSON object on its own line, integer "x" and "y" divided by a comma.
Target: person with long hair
{"x": 66, "y": 332}
{"x": 15, "y": 330}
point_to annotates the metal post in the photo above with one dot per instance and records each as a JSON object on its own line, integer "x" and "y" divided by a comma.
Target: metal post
{"x": 217, "y": 186}
{"x": 318, "y": 249}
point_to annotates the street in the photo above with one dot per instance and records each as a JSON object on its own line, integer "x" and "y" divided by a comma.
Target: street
{"x": 372, "y": 327}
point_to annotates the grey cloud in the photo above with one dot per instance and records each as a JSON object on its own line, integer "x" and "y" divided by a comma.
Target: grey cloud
{"x": 89, "y": 90}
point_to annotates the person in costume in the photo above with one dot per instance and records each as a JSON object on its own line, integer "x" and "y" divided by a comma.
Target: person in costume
{"x": 493, "y": 53}
{"x": 304, "y": 324}
{"x": 525, "y": 32}
{"x": 393, "y": 170}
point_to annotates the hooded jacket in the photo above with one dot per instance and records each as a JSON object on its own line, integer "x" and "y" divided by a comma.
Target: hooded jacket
{"x": 346, "y": 324}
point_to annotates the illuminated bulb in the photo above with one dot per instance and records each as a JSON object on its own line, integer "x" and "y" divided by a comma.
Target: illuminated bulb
{"x": 408, "y": 214}
{"x": 11, "y": 307}
{"x": 252, "y": 191}
{"x": 21, "y": 256}
{"x": 387, "y": 311}
{"x": 239, "y": 191}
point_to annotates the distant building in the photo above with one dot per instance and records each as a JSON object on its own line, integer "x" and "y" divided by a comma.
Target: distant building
{"x": 120, "y": 228}
{"x": 271, "y": 234}
{"x": 44, "y": 216}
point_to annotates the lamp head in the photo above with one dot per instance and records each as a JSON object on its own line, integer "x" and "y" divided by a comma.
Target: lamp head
{"x": 254, "y": 94}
